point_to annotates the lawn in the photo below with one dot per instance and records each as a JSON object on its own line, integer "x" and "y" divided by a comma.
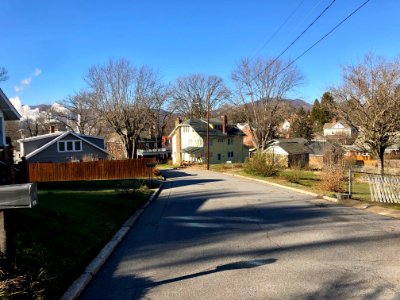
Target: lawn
{"x": 306, "y": 180}
{"x": 68, "y": 227}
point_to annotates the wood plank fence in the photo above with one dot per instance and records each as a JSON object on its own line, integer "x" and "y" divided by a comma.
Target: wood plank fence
{"x": 384, "y": 188}
{"x": 92, "y": 170}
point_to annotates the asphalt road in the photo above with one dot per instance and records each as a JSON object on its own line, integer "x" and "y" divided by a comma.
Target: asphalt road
{"x": 212, "y": 236}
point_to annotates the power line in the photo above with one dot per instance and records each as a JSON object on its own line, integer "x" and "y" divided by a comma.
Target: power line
{"x": 278, "y": 30}
{"x": 322, "y": 38}
{"x": 296, "y": 39}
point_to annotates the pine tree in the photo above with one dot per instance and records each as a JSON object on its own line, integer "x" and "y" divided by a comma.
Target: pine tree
{"x": 327, "y": 108}
{"x": 301, "y": 125}
{"x": 317, "y": 116}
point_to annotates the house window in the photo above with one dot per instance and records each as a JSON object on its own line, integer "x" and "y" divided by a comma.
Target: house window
{"x": 61, "y": 146}
{"x": 230, "y": 154}
{"x": 220, "y": 140}
{"x": 78, "y": 145}
{"x": 219, "y": 156}
{"x": 230, "y": 141}
{"x": 69, "y": 146}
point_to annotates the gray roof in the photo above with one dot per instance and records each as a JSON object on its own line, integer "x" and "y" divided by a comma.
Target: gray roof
{"x": 294, "y": 148}
{"x": 191, "y": 149}
{"x": 200, "y": 126}
{"x": 317, "y": 148}
{"x": 57, "y": 138}
{"x": 300, "y": 146}
{"x": 10, "y": 113}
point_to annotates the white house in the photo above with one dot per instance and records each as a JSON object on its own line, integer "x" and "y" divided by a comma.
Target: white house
{"x": 339, "y": 128}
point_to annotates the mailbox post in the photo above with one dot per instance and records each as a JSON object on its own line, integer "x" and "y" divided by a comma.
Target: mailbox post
{"x": 13, "y": 196}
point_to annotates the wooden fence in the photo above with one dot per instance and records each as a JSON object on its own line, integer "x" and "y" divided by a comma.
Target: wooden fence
{"x": 384, "y": 188}
{"x": 92, "y": 170}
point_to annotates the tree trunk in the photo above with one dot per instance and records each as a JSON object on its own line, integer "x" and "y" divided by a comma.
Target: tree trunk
{"x": 381, "y": 165}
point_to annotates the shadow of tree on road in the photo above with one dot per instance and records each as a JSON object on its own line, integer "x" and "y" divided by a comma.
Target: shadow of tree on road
{"x": 165, "y": 230}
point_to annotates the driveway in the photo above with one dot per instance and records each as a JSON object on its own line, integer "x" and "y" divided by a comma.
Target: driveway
{"x": 213, "y": 236}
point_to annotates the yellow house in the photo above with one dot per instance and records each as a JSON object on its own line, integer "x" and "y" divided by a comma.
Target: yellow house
{"x": 189, "y": 142}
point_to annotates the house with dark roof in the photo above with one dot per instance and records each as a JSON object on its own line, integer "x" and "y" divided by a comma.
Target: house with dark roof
{"x": 63, "y": 146}
{"x": 7, "y": 113}
{"x": 189, "y": 143}
{"x": 297, "y": 152}
{"x": 289, "y": 152}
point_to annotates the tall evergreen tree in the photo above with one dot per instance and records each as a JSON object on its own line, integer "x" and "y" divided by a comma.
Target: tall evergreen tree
{"x": 317, "y": 116}
{"x": 301, "y": 125}
{"x": 327, "y": 107}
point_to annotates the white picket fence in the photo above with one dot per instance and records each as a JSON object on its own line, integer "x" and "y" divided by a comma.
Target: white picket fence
{"x": 384, "y": 188}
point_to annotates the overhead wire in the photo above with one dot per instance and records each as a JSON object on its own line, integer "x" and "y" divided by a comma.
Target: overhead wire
{"x": 297, "y": 38}
{"x": 278, "y": 30}
{"x": 323, "y": 37}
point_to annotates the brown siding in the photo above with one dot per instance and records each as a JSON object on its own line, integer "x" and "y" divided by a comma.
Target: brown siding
{"x": 92, "y": 170}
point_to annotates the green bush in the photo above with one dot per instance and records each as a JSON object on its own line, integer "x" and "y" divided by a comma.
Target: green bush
{"x": 294, "y": 175}
{"x": 261, "y": 164}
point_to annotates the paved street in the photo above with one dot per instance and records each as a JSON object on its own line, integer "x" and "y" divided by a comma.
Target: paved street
{"x": 211, "y": 236}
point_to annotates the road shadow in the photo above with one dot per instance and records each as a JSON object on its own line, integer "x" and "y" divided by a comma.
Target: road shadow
{"x": 182, "y": 223}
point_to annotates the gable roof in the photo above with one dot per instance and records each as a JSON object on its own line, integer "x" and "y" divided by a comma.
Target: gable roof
{"x": 200, "y": 126}
{"x": 332, "y": 125}
{"x": 299, "y": 146}
{"x": 58, "y": 136}
{"x": 10, "y": 113}
{"x": 317, "y": 147}
{"x": 294, "y": 148}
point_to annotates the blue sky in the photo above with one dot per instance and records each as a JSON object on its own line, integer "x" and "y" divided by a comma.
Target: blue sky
{"x": 48, "y": 46}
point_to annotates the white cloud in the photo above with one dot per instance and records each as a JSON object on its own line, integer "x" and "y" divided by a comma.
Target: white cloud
{"x": 27, "y": 81}
{"x": 16, "y": 102}
{"x": 24, "y": 110}
{"x": 24, "y": 83}
{"x": 37, "y": 72}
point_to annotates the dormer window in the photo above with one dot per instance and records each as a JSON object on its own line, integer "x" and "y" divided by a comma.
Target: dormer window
{"x": 70, "y": 146}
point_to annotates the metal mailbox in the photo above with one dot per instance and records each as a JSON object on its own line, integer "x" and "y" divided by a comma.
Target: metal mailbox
{"x": 18, "y": 196}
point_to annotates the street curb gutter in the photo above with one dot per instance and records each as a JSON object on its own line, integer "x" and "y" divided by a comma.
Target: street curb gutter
{"x": 78, "y": 286}
{"x": 388, "y": 212}
{"x": 278, "y": 185}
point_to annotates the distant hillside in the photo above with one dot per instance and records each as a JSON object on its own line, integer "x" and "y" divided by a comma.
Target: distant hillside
{"x": 297, "y": 103}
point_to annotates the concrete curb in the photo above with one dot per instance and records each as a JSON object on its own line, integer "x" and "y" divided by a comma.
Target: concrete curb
{"x": 78, "y": 286}
{"x": 277, "y": 184}
{"x": 388, "y": 212}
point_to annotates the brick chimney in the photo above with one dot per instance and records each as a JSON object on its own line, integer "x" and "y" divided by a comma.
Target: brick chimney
{"x": 224, "y": 124}
{"x": 178, "y": 146}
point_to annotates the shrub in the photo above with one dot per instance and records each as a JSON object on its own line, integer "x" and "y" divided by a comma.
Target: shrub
{"x": 332, "y": 178}
{"x": 156, "y": 172}
{"x": 260, "y": 164}
{"x": 294, "y": 175}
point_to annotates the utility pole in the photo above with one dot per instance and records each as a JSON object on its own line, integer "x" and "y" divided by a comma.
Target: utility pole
{"x": 208, "y": 130}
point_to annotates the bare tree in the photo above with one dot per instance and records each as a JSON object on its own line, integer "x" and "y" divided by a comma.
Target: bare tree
{"x": 37, "y": 124}
{"x": 3, "y": 74}
{"x": 191, "y": 94}
{"x": 76, "y": 114}
{"x": 261, "y": 85}
{"x": 369, "y": 99}
{"x": 123, "y": 96}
